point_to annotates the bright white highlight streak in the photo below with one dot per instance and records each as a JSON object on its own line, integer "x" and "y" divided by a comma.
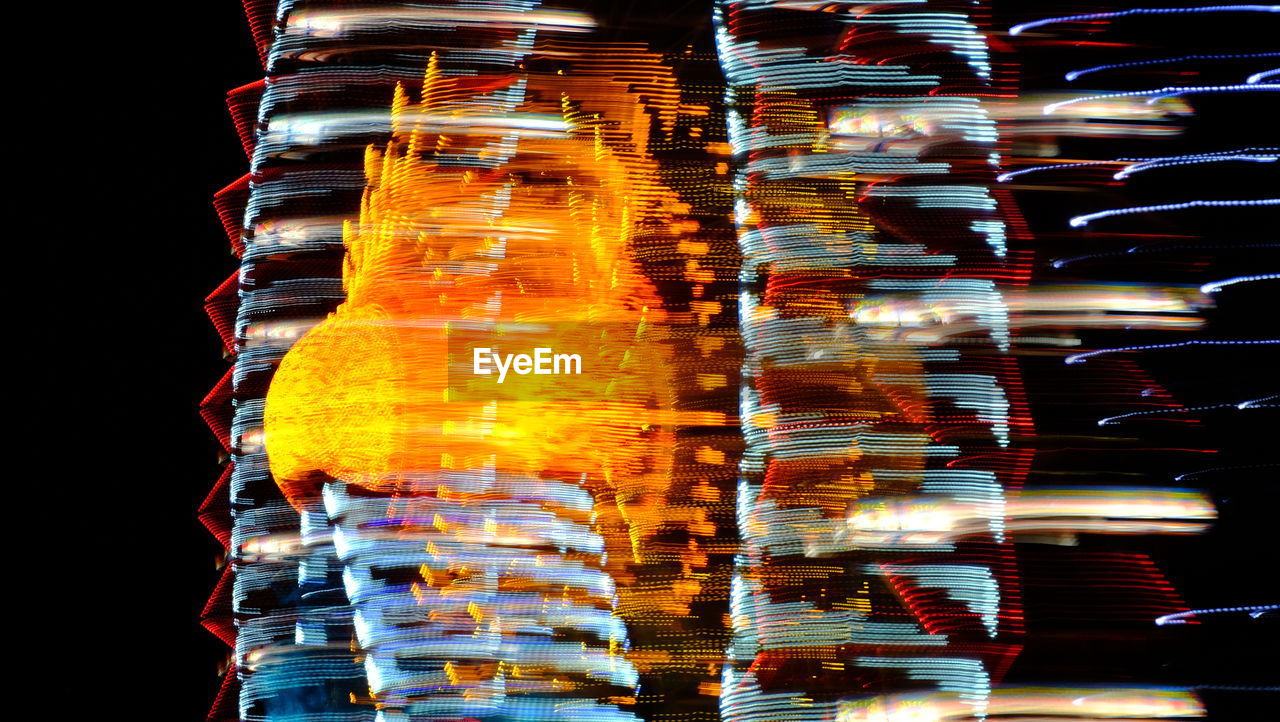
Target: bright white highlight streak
{"x": 1080, "y": 357}
{"x": 328, "y": 23}
{"x": 1254, "y": 611}
{"x": 1259, "y": 77}
{"x": 1086, "y": 219}
{"x": 1018, "y": 29}
{"x": 1258, "y": 403}
{"x": 1215, "y": 286}
{"x": 1075, "y": 74}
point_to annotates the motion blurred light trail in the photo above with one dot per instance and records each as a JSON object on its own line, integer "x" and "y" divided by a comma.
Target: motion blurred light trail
{"x": 1181, "y": 617}
{"x": 1018, "y": 29}
{"x": 1077, "y": 74}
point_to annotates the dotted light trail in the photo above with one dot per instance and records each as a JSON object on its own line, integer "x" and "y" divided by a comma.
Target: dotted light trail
{"x": 1258, "y": 403}
{"x": 1003, "y": 177}
{"x": 1075, "y": 74}
{"x": 1081, "y": 357}
{"x": 1086, "y": 219}
{"x": 1254, "y": 611}
{"x": 1018, "y": 29}
{"x": 1243, "y": 405}
{"x": 1110, "y": 420}
{"x": 1216, "y": 469}
{"x": 1215, "y": 286}
{"x": 1200, "y": 90}
{"x": 1260, "y": 155}
{"x": 1157, "y": 248}
{"x": 1192, "y": 160}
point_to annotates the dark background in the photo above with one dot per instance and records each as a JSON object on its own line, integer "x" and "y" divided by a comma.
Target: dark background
{"x": 139, "y": 142}
{"x": 149, "y": 141}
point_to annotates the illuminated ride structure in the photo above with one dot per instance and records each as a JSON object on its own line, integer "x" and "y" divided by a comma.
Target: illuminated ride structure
{"x": 534, "y": 193}
{"x": 788, "y": 482}
{"x": 863, "y": 202}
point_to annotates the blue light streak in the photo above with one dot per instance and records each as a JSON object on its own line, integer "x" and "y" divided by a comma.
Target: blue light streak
{"x": 1018, "y": 29}
{"x": 1259, "y": 77}
{"x": 1254, "y": 611}
{"x": 1110, "y": 420}
{"x": 1086, "y": 219}
{"x": 1075, "y": 74}
{"x": 1215, "y": 286}
{"x": 1156, "y": 248}
{"x": 1259, "y": 155}
{"x": 1081, "y": 357}
{"x": 1192, "y": 160}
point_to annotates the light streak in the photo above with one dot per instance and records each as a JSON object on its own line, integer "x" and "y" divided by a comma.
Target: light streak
{"x": 1076, "y": 74}
{"x": 1158, "y": 94}
{"x": 1193, "y": 159}
{"x": 326, "y": 22}
{"x": 1259, "y": 77}
{"x": 1197, "y": 90}
{"x": 1084, "y": 220}
{"x": 1082, "y": 357}
{"x": 1254, "y": 611}
{"x": 1137, "y": 165}
{"x": 1019, "y": 29}
{"x": 930, "y": 522}
{"x": 1004, "y": 177}
{"x": 1215, "y": 286}
{"x": 1258, "y": 403}
{"x": 1214, "y": 470}
{"x": 1028, "y": 703}
{"x": 1156, "y": 248}
{"x": 1155, "y": 412}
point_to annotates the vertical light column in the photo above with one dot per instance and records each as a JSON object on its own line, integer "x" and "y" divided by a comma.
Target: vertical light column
{"x": 878, "y": 402}
{"x": 472, "y": 516}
